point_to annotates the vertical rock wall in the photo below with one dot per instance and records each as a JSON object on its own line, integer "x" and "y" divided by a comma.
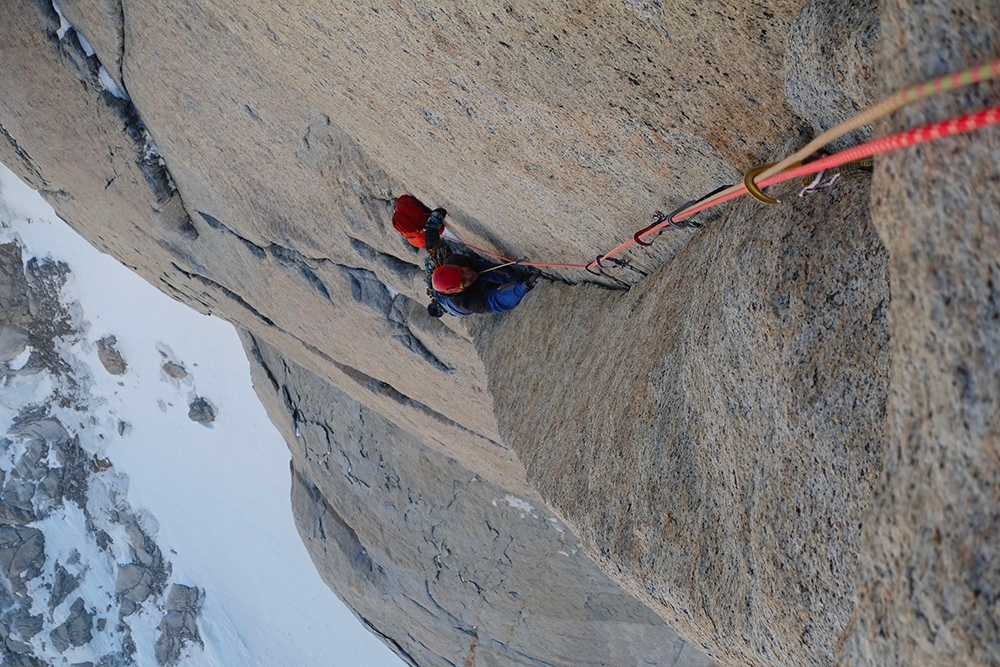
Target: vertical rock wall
{"x": 445, "y": 567}
{"x": 713, "y": 435}
{"x": 717, "y": 457}
{"x": 349, "y": 313}
{"x": 929, "y": 580}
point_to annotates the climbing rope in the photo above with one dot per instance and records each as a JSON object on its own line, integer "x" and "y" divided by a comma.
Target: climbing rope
{"x": 792, "y": 166}
{"x": 930, "y": 132}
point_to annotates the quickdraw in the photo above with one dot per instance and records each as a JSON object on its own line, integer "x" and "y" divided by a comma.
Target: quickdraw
{"x": 602, "y": 272}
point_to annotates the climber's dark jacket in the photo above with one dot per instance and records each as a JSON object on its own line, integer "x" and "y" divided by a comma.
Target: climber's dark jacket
{"x": 493, "y": 292}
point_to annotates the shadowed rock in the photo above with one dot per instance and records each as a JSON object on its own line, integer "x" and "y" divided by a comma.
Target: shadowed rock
{"x": 201, "y": 411}
{"x": 63, "y": 584}
{"x": 22, "y": 554}
{"x": 76, "y": 630}
{"x": 179, "y": 626}
{"x": 15, "y": 314}
{"x": 146, "y": 575}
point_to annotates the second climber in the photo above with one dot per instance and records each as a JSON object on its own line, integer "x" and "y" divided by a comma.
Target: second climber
{"x": 466, "y": 285}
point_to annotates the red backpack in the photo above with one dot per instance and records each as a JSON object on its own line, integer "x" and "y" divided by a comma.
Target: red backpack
{"x": 410, "y": 218}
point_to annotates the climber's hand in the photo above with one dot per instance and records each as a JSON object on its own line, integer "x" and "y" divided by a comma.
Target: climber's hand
{"x": 436, "y": 220}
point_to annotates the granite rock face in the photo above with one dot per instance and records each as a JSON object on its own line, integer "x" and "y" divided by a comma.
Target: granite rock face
{"x": 445, "y": 567}
{"x": 192, "y": 250}
{"x": 830, "y": 64}
{"x": 516, "y": 119}
{"x": 713, "y": 435}
{"x": 930, "y": 573}
{"x": 259, "y": 191}
{"x": 22, "y": 553}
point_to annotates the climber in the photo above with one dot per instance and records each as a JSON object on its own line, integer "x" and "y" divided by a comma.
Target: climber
{"x": 463, "y": 285}
{"x": 458, "y": 284}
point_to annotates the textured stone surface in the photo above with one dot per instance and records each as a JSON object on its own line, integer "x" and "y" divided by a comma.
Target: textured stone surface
{"x": 14, "y": 311}
{"x": 751, "y": 413}
{"x": 110, "y": 357}
{"x": 102, "y": 23}
{"x": 34, "y": 486}
{"x": 713, "y": 434}
{"x": 22, "y": 554}
{"x": 146, "y": 574}
{"x": 544, "y": 128}
{"x": 445, "y": 567}
{"x": 13, "y": 286}
{"x": 179, "y": 626}
{"x": 201, "y": 411}
{"x": 293, "y": 293}
{"x": 830, "y": 64}
{"x": 287, "y": 157}
{"x": 76, "y": 630}
{"x": 63, "y": 584}
{"x": 175, "y": 370}
{"x": 929, "y": 581}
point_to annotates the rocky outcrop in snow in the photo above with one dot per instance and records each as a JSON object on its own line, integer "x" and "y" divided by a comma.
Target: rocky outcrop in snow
{"x": 64, "y": 524}
{"x": 110, "y": 357}
{"x": 179, "y": 626}
{"x": 174, "y": 370}
{"x": 200, "y": 410}
{"x": 76, "y": 630}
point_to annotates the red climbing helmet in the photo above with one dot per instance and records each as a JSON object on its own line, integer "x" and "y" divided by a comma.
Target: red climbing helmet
{"x": 447, "y": 279}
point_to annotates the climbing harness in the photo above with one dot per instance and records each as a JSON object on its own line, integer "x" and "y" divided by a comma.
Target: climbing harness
{"x": 829, "y": 169}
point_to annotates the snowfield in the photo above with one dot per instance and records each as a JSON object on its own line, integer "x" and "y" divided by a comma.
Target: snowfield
{"x": 214, "y": 497}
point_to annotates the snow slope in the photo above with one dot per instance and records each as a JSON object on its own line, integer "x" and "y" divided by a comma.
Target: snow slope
{"x": 215, "y": 497}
